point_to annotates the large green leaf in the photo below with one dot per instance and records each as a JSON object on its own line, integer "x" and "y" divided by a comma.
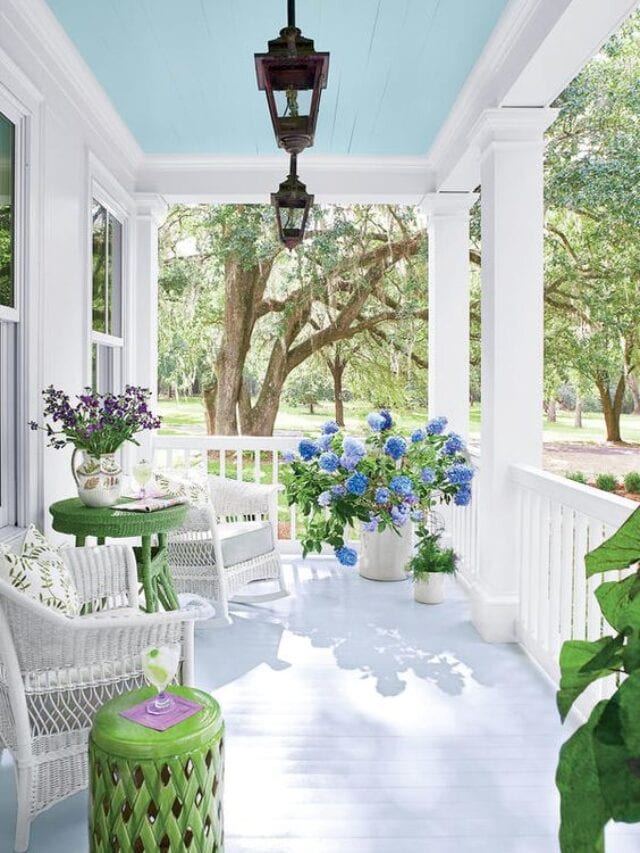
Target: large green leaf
{"x": 582, "y": 663}
{"x": 583, "y": 810}
{"x": 619, "y": 551}
{"x": 620, "y": 603}
{"x": 616, "y": 747}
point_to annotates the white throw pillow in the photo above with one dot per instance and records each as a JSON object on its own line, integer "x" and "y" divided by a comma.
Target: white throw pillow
{"x": 191, "y": 485}
{"x": 38, "y": 570}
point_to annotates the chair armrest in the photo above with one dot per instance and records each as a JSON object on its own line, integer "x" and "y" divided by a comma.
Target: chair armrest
{"x": 104, "y": 575}
{"x": 235, "y": 497}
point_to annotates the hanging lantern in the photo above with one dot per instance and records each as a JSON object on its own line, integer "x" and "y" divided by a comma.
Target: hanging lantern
{"x": 292, "y": 203}
{"x": 293, "y": 75}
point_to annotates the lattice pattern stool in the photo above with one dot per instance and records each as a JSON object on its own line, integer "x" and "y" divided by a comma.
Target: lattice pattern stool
{"x": 156, "y": 791}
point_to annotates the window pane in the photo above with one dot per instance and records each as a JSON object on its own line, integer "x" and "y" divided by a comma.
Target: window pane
{"x": 99, "y": 268}
{"x": 7, "y": 212}
{"x": 114, "y": 311}
{"x": 105, "y": 369}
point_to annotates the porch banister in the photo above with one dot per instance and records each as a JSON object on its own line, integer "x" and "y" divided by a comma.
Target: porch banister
{"x": 448, "y": 222}
{"x": 510, "y": 142}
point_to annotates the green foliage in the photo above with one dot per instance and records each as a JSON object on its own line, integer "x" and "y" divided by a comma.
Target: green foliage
{"x": 308, "y": 385}
{"x": 577, "y": 477}
{"x": 430, "y": 557}
{"x": 599, "y": 767}
{"x": 632, "y": 482}
{"x": 606, "y": 482}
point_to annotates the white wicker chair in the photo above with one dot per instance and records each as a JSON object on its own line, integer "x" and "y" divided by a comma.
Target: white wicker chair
{"x": 216, "y": 559}
{"x": 56, "y": 671}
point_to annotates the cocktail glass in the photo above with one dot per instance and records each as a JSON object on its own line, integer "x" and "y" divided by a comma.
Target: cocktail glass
{"x": 159, "y": 666}
{"x": 142, "y": 473}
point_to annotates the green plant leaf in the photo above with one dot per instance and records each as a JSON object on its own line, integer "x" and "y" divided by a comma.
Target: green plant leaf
{"x": 584, "y": 812}
{"x": 620, "y": 603}
{"x": 616, "y": 747}
{"x": 619, "y": 551}
{"x": 583, "y": 662}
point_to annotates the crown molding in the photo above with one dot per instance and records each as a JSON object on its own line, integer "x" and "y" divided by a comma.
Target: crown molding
{"x": 512, "y": 126}
{"x": 34, "y": 23}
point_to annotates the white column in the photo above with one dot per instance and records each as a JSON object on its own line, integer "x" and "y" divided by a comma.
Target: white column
{"x": 448, "y": 222}
{"x": 511, "y": 144}
{"x": 150, "y": 212}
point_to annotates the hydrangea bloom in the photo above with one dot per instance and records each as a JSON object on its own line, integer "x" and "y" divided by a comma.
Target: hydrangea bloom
{"x": 346, "y": 556}
{"x": 349, "y": 462}
{"x": 324, "y": 498}
{"x": 353, "y": 447}
{"x": 417, "y": 515}
{"x": 463, "y": 496}
{"x": 401, "y": 485}
{"x": 372, "y": 525}
{"x": 375, "y": 421}
{"x": 288, "y": 456}
{"x": 399, "y": 515}
{"x": 308, "y": 449}
{"x": 395, "y": 447}
{"x": 428, "y": 476}
{"x": 328, "y": 462}
{"x": 418, "y": 435}
{"x": 330, "y": 428}
{"x": 324, "y": 442}
{"x": 385, "y": 414}
{"x": 357, "y": 484}
{"x": 436, "y": 426}
{"x": 339, "y": 489}
{"x": 459, "y": 474}
{"x": 382, "y": 495}
{"x": 454, "y": 444}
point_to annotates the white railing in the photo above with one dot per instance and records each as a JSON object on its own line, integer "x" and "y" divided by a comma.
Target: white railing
{"x": 558, "y": 522}
{"x": 463, "y": 529}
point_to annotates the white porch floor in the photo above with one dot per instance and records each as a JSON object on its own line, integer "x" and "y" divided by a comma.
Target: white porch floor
{"x": 361, "y": 722}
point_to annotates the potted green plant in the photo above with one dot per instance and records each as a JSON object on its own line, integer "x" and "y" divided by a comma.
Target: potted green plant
{"x": 430, "y": 566}
{"x": 599, "y": 768}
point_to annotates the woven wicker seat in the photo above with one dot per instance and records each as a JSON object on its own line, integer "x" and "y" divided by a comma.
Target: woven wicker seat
{"x": 56, "y": 671}
{"x": 228, "y": 544}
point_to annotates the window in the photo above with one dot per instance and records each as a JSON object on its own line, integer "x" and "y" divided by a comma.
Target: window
{"x": 106, "y": 299}
{"x": 8, "y": 322}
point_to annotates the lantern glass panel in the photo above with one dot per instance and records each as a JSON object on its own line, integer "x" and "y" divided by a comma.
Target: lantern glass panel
{"x": 292, "y": 103}
{"x": 292, "y": 219}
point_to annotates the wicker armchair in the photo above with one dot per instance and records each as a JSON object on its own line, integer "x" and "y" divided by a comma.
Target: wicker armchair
{"x": 216, "y": 559}
{"x": 56, "y": 671}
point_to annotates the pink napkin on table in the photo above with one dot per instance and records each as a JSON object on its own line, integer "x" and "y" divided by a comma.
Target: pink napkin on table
{"x": 182, "y": 710}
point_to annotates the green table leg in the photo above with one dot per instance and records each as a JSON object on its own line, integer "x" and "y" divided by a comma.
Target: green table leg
{"x": 144, "y": 572}
{"x": 166, "y": 590}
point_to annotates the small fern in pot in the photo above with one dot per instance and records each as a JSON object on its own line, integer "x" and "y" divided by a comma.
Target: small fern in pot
{"x": 430, "y": 565}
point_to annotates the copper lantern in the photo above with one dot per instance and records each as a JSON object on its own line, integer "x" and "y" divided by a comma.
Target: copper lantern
{"x": 293, "y": 76}
{"x": 292, "y": 203}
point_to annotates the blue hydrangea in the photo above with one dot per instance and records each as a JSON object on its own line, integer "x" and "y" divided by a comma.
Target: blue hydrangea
{"x": 418, "y": 435}
{"x": 375, "y": 421}
{"x": 346, "y": 556}
{"x": 338, "y": 490}
{"x": 428, "y": 476}
{"x": 402, "y": 485}
{"x": 399, "y": 515}
{"x": 353, "y": 447}
{"x": 454, "y": 444}
{"x": 357, "y": 484}
{"x": 458, "y": 475}
{"x": 463, "y": 496}
{"x": 372, "y": 525}
{"x": 395, "y": 447}
{"x": 349, "y": 462}
{"x": 436, "y": 426}
{"x": 324, "y": 498}
{"x": 324, "y": 442}
{"x": 330, "y": 428}
{"x": 385, "y": 414}
{"x": 288, "y": 456}
{"x": 382, "y": 495}
{"x": 328, "y": 462}
{"x": 417, "y": 515}
{"x": 308, "y": 449}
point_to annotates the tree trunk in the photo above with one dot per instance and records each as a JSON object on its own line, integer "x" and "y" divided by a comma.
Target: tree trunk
{"x": 612, "y": 407}
{"x": 244, "y": 406}
{"x": 209, "y": 399}
{"x": 337, "y": 369}
{"x": 552, "y": 415}
{"x": 577, "y": 420}
{"x": 312, "y": 410}
{"x": 634, "y": 389}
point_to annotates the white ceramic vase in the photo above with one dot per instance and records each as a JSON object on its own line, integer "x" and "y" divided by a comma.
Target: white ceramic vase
{"x": 98, "y": 478}
{"x": 384, "y": 556}
{"x": 430, "y": 588}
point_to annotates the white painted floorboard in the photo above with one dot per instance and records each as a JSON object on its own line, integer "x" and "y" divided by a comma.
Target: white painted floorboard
{"x": 361, "y": 722}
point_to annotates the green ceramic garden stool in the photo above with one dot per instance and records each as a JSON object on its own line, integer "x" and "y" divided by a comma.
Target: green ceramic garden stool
{"x": 156, "y": 792}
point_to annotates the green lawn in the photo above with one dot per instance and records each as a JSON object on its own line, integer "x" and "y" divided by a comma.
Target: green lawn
{"x": 187, "y": 417}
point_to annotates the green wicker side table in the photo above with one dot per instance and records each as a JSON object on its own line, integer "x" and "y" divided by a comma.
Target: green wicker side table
{"x": 72, "y": 516}
{"x": 156, "y": 792}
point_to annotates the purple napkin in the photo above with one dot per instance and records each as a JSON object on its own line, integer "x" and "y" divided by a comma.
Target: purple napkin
{"x": 182, "y": 710}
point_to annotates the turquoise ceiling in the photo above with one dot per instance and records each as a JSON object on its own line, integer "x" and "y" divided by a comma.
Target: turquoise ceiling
{"x": 181, "y": 72}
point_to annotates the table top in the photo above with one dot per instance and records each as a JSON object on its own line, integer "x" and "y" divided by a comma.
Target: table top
{"x": 117, "y": 735}
{"x": 72, "y": 516}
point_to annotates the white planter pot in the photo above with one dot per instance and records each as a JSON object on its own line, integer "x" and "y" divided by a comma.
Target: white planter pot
{"x": 384, "y": 556}
{"x": 430, "y": 590}
{"x": 99, "y": 480}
